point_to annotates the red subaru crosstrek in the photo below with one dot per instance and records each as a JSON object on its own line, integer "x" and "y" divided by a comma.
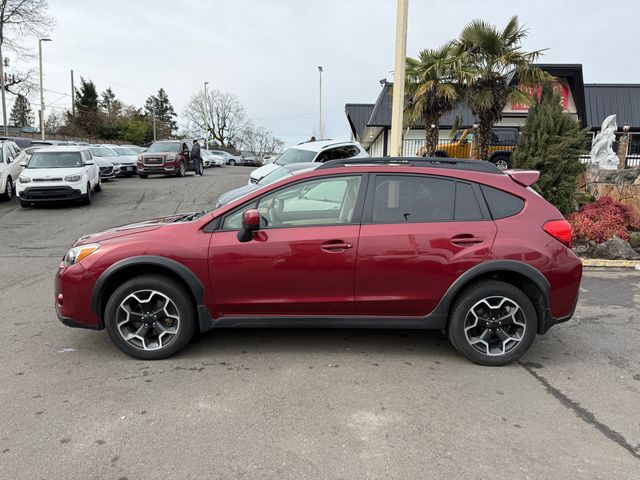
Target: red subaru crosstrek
{"x": 446, "y": 244}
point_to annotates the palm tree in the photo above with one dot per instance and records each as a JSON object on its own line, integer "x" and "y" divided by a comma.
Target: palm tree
{"x": 433, "y": 87}
{"x": 497, "y": 59}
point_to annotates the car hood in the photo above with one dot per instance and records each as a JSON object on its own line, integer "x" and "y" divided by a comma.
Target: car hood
{"x": 103, "y": 162}
{"x": 232, "y": 195}
{"x": 126, "y": 159}
{"x": 50, "y": 172}
{"x": 260, "y": 172}
{"x": 130, "y": 229}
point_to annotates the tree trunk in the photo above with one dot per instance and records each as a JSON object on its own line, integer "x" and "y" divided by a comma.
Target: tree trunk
{"x": 484, "y": 129}
{"x": 431, "y": 134}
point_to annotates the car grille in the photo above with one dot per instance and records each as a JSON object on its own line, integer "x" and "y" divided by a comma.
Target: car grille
{"x": 50, "y": 193}
{"x": 106, "y": 170}
{"x": 153, "y": 161}
{"x": 56, "y": 179}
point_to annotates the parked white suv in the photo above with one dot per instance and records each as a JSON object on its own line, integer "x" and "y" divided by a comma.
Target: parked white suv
{"x": 10, "y": 158}
{"x": 316, "y": 151}
{"x": 58, "y": 174}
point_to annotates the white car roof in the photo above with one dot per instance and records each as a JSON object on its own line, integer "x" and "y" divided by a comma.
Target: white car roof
{"x": 320, "y": 145}
{"x": 62, "y": 149}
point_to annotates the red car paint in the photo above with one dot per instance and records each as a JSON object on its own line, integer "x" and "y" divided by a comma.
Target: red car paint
{"x": 384, "y": 270}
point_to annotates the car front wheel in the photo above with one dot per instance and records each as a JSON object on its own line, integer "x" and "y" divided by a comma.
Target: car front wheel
{"x": 492, "y": 323}
{"x": 150, "y": 317}
{"x": 8, "y": 190}
{"x": 232, "y": 163}
{"x": 98, "y": 187}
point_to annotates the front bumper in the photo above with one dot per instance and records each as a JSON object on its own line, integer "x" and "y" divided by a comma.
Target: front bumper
{"x": 73, "y": 287}
{"x": 128, "y": 169}
{"x": 148, "y": 169}
{"x": 50, "y": 194}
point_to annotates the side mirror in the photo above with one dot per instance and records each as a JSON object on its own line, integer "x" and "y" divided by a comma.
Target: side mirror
{"x": 250, "y": 224}
{"x": 23, "y": 164}
{"x": 89, "y": 162}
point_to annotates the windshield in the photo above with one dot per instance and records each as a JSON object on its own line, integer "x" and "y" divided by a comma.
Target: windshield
{"x": 164, "y": 147}
{"x": 55, "y": 160}
{"x": 102, "y": 152}
{"x": 295, "y": 155}
{"x": 274, "y": 176}
{"x": 124, "y": 151}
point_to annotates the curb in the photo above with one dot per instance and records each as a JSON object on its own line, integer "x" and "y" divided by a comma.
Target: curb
{"x": 601, "y": 263}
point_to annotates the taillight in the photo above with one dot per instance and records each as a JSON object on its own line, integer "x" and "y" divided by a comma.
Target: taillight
{"x": 560, "y": 230}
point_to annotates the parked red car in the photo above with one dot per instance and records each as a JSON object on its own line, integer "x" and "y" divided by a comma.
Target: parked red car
{"x": 456, "y": 245}
{"x": 167, "y": 157}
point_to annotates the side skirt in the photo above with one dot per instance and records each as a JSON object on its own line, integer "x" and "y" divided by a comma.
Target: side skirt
{"x": 430, "y": 322}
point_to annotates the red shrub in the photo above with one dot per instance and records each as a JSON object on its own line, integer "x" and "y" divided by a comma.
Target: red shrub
{"x": 601, "y": 220}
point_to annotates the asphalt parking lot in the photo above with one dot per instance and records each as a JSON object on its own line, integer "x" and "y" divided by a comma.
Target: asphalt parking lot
{"x": 293, "y": 404}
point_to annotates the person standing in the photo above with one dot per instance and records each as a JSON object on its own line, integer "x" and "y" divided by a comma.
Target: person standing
{"x": 196, "y": 158}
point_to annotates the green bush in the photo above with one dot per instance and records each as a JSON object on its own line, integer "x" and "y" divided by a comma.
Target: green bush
{"x": 634, "y": 239}
{"x": 551, "y": 142}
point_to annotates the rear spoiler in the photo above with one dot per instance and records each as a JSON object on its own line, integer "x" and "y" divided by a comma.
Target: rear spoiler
{"x": 526, "y": 178}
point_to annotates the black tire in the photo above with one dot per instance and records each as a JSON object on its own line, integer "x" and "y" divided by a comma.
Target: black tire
{"x": 232, "y": 163}
{"x": 142, "y": 175}
{"x": 8, "y": 190}
{"x": 24, "y": 204}
{"x": 164, "y": 286}
{"x": 460, "y": 315}
{"x": 86, "y": 200}
{"x": 181, "y": 170}
{"x": 440, "y": 154}
{"x": 98, "y": 187}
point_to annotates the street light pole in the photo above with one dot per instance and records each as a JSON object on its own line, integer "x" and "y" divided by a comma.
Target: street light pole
{"x": 41, "y": 87}
{"x": 320, "y": 130}
{"x": 206, "y": 117}
{"x": 4, "y": 99}
{"x": 397, "y": 106}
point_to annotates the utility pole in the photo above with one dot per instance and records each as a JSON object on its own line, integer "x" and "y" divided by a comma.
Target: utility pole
{"x": 4, "y": 99}
{"x": 397, "y": 109}
{"x": 73, "y": 97}
{"x": 154, "y": 119}
{"x": 206, "y": 117}
{"x": 320, "y": 130}
{"x": 41, "y": 87}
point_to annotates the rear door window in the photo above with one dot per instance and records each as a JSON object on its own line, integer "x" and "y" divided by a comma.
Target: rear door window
{"x": 412, "y": 198}
{"x": 467, "y": 207}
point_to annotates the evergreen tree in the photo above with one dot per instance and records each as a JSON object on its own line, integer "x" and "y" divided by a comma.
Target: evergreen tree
{"x": 552, "y": 142}
{"x": 87, "y": 114}
{"x": 160, "y": 106}
{"x": 21, "y": 113}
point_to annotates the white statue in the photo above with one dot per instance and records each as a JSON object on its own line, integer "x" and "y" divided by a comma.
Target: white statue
{"x": 601, "y": 152}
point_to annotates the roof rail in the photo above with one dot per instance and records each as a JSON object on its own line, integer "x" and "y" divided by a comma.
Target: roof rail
{"x": 433, "y": 162}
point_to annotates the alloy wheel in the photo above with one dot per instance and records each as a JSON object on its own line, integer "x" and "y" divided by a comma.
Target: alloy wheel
{"x": 502, "y": 164}
{"x": 148, "y": 319}
{"x": 495, "y": 325}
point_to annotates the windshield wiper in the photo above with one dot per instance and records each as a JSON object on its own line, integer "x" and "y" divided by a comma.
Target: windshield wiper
{"x": 187, "y": 217}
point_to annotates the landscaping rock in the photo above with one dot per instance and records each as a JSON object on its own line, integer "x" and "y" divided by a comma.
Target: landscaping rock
{"x": 615, "y": 249}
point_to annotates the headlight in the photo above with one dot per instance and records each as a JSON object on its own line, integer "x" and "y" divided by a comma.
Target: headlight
{"x": 22, "y": 179}
{"x": 116, "y": 164}
{"x": 77, "y": 254}
{"x": 72, "y": 178}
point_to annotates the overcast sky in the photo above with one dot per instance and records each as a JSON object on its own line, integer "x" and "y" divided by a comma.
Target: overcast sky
{"x": 267, "y": 51}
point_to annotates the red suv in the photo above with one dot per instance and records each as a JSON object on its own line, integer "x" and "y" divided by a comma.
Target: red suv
{"x": 167, "y": 157}
{"x": 453, "y": 245}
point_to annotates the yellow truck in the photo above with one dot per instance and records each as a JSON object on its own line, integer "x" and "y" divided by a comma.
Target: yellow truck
{"x": 503, "y": 142}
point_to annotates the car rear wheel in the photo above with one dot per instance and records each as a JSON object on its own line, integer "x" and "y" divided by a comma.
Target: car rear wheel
{"x": 501, "y": 162}
{"x": 8, "y": 190}
{"x": 98, "y": 187}
{"x": 492, "y": 323}
{"x": 232, "y": 163}
{"x": 150, "y": 317}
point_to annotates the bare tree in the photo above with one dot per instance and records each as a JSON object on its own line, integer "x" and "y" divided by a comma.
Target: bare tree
{"x": 54, "y": 122}
{"x": 220, "y": 117}
{"x": 259, "y": 141}
{"x": 20, "y": 19}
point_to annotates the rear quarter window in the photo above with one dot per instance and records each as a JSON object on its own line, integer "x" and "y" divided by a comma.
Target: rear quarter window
{"x": 501, "y": 204}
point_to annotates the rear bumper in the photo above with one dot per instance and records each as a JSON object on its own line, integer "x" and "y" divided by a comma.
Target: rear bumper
{"x": 50, "y": 194}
